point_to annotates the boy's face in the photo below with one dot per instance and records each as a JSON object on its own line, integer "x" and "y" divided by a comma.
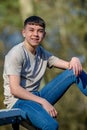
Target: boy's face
{"x": 33, "y": 34}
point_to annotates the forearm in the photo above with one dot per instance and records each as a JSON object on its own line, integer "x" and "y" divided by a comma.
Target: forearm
{"x": 22, "y": 93}
{"x": 74, "y": 64}
{"x": 62, "y": 64}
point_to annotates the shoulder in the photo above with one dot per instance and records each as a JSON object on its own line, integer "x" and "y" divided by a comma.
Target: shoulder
{"x": 16, "y": 50}
{"x": 15, "y": 54}
{"x": 44, "y": 52}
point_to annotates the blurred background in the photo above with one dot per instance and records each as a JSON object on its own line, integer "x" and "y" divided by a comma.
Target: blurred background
{"x": 66, "y": 37}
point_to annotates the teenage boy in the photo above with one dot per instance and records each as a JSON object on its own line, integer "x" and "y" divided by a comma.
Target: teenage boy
{"x": 24, "y": 67}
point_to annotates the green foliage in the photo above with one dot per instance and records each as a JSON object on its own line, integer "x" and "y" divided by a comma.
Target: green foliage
{"x": 66, "y": 37}
{"x": 9, "y": 13}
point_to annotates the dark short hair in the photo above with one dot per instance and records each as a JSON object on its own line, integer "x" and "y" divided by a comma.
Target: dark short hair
{"x": 35, "y": 20}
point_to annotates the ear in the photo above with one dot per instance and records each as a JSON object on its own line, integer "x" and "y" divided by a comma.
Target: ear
{"x": 23, "y": 32}
{"x": 44, "y": 34}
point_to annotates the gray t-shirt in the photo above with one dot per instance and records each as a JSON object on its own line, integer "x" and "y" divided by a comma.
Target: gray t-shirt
{"x": 30, "y": 68}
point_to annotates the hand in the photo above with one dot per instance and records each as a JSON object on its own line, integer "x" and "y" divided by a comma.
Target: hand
{"x": 49, "y": 108}
{"x": 75, "y": 64}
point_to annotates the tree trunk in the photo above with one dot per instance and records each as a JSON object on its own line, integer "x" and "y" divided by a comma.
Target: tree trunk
{"x": 26, "y": 8}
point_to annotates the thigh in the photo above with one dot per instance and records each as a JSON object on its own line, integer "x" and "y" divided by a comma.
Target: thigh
{"x": 35, "y": 113}
{"x": 58, "y": 86}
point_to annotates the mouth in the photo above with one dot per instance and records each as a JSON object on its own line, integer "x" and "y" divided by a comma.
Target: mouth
{"x": 35, "y": 39}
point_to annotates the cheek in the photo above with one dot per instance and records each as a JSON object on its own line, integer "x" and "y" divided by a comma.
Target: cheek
{"x": 42, "y": 36}
{"x": 26, "y": 35}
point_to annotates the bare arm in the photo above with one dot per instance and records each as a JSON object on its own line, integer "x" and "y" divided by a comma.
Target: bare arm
{"x": 74, "y": 64}
{"x": 22, "y": 93}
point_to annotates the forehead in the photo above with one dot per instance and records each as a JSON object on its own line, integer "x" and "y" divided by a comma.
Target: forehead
{"x": 34, "y": 25}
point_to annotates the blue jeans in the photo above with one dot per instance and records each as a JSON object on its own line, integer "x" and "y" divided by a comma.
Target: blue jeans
{"x": 52, "y": 92}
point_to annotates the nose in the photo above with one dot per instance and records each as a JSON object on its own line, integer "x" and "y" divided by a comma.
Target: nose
{"x": 36, "y": 33}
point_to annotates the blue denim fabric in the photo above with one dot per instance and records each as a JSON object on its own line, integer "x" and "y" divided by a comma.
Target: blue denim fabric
{"x": 52, "y": 92}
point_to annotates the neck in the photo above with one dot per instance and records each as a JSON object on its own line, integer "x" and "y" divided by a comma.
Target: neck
{"x": 30, "y": 48}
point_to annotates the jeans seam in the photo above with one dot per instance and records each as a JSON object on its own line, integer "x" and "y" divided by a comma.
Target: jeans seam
{"x": 58, "y": 84}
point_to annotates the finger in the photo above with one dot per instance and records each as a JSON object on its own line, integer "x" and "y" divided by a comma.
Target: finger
{"x": 75, "y": 70}
{"x": 53, "y": 113}
{"x": 78, "y": 69}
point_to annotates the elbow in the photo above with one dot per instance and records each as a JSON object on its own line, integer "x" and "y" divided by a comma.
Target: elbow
{"x": 13, "y": 90}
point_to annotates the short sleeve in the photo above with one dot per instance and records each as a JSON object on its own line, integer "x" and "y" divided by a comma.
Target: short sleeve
{"x": 13, "y": 64}
{"x": 52, "y": 59}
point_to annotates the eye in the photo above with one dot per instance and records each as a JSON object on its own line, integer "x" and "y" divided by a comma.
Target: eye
{"x": 31, "y": 30}
{"x": 41, "y": 31}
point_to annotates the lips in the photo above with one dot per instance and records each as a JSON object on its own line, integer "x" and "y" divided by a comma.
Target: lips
{"x": 35, "y": 39}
